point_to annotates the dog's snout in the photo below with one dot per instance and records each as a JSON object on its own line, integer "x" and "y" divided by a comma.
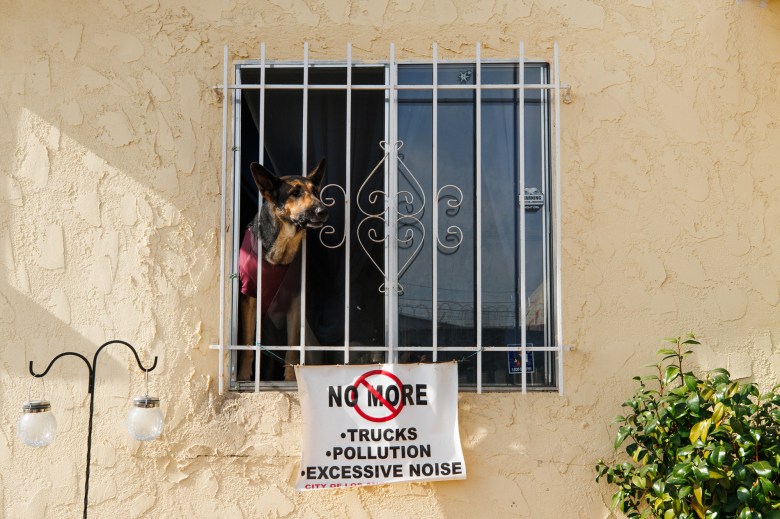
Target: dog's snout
{"x": 316, "y": 216}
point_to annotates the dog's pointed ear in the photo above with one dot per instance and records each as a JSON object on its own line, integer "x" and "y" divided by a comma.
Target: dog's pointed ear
{"x": 317, "y": 175}
{"x": 266, "y": 181}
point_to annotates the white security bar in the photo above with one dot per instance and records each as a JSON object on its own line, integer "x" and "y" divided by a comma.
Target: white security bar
{"x": 223, "y": 229}
{"x": 478, "y": 233}
{"x": 304, "y": 154}
{"x": 391, "y": 285}
{"x": 435, "y": 215}
{"x": 261, "y": 160}
{"x": 347, "y": 205}
{"x": 558, "y": 288}
{"x": 521, "y": 167}
{"x": 489, "y": 86}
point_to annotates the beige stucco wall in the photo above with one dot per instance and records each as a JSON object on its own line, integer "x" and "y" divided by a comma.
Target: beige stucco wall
{"x": 109, "y": 213}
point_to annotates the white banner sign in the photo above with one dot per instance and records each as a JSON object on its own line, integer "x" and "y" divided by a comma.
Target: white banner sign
{"x": 368, "y": 425}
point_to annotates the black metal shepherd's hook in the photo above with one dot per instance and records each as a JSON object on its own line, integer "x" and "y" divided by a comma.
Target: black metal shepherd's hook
{"x": 91, "y": 367}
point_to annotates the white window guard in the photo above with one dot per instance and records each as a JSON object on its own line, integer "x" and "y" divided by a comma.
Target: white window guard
{"x": 391, "y": 217}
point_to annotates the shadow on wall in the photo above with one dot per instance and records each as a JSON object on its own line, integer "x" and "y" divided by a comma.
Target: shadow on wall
{"x": 106, "y": 255}
{"x": 84, "y": 173}
{"x": 33, "y": 333}
{"x": 109, "y": 160}
{"x": 83, "y": 247}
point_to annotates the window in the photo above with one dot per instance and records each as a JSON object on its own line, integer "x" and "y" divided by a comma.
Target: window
{"x": 434, "y": 249}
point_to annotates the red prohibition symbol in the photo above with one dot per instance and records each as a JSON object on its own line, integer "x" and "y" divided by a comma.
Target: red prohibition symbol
{"x": 394, "y": 410}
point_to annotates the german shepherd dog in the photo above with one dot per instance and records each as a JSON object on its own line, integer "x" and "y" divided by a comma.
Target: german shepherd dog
{"x": 289, "y": 206}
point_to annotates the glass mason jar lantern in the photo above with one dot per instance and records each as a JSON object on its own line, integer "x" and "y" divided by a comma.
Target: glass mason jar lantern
{"x": 145, "y": 419}
{"x": 37, "y": 426}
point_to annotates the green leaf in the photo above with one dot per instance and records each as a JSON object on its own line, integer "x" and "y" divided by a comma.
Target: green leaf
{"x": 679, "y": 410}
{"x": 761, "y": 468}
{"x": 651, "y": 425}
{"x": 717, "y": 473}
{"x": 767, "y": 486}
{"x": 617, "y": 497}
{"x": 659, "y": 487}
{"x": 684, "y": 452}
{"x": 702, "y": 472}
{"x": 700, "y": 430}
{"x": 719, "y": 376}
{"x": 745, "y": 513}
{"x": 670, "y": 374}
{"x": 736, "y": 425}
{"x": 691, "y": 382}
{"x": 649, "y": 471}
{"x": 743, "y": 494}
{"x": 718, "y": 412}
{"x": 667, "y": 351}
{"x": 739, "y": 471}
{"x": 623, "y": 433}
{"x": 681, "y": 472}
{"x": 693, "y": 402}
{"x": 718, "y": 456}
{"x": 697, "y": 494}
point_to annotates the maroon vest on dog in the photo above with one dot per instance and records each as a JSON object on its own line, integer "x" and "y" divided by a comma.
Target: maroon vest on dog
{"x": 273, "y": 275}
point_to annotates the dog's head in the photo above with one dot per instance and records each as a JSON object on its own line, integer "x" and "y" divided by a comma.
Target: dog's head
{"x": 294, "y": 199}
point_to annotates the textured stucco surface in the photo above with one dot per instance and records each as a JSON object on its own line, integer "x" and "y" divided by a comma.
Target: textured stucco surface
{"x": 109, "y": 212}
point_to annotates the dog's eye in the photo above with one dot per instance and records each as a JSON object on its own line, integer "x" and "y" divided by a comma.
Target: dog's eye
{"x": 296, "y": 192}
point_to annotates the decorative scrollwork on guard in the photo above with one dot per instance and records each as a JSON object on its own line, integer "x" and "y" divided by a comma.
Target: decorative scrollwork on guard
{"x": 411, "y": 231}
{"x": 408, "y": 215}
{"x": 373, "y": 196}
{"x": 373, "y": 235}
{"x": 454, "y": 235}
{"x": 409, "y": 224}
{"x": 329, "y": 201}
{"x": 407, "y": 197}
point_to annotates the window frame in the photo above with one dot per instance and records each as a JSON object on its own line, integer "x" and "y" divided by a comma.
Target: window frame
{"x": 550, "y": 88}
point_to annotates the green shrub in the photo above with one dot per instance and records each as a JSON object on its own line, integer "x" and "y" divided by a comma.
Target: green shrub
{"x": 697, "y": 448}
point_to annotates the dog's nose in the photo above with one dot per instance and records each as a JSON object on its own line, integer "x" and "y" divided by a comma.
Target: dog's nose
{"x": 321, "y": 212}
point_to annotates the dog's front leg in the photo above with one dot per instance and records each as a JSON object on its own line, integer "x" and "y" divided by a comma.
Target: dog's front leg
{"x": 247, "y": 306}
